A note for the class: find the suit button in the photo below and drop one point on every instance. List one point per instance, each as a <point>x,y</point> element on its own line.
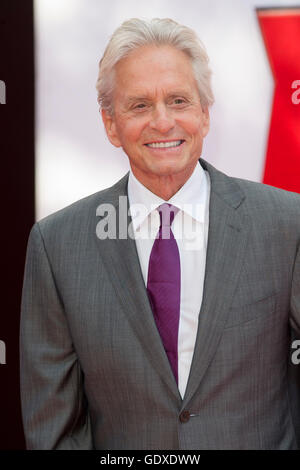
<point>184,416</point>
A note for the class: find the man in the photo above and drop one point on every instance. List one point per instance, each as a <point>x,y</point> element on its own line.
<point>130,341</point>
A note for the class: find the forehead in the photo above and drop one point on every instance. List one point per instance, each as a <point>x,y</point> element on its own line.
<point>150,68</point>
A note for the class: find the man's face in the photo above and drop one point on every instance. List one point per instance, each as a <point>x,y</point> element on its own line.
<point>158,119</point>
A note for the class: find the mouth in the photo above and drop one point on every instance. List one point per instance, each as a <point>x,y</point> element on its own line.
<point>165,144</point>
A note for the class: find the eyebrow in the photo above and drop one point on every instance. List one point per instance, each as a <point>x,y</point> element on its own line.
<point>132,99</point>
<point>173,94</point>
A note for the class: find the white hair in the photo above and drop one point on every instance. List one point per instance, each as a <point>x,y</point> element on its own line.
<point>135,33</point>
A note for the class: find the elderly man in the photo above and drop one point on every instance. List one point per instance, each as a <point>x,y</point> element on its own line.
<point>170,330</point>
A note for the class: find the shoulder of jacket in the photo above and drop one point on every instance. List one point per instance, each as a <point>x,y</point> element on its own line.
<point>79,212</point>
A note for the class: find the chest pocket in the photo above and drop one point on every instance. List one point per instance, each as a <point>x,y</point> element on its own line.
<point>260,309</point>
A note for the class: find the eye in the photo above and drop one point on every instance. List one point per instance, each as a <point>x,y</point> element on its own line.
<point>179,101</point>
<point>140,106</point>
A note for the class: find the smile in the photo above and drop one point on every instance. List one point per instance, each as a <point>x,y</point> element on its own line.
<point>173,143</point>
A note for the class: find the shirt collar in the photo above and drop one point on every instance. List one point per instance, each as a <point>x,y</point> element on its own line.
<point>191,197</point>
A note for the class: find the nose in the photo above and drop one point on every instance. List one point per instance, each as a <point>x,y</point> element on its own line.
<point>162,119</point>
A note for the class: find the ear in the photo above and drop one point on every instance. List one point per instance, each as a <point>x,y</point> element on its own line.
<point>110,127</point>
<point>206,120</point>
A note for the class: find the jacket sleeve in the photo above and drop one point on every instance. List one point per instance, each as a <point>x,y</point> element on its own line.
<point>295,295</point>
<point>54,408</point>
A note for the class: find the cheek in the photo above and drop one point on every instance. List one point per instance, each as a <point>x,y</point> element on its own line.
<point>130,132</point>
<point>193,126</point>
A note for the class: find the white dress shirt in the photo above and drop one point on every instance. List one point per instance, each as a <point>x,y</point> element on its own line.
<point>190,229</point>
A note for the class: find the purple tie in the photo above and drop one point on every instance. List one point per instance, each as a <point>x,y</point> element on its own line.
<point>163,284</point>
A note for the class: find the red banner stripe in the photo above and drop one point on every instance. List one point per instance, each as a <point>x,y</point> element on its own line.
<point>281,33</point>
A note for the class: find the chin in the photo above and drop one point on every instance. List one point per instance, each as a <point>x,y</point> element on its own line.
<point>166,170</point>
<point>172,167</point>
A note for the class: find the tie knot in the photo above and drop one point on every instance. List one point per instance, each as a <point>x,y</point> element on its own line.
<point>167,213</point>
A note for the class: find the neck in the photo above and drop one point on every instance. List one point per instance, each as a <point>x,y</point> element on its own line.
<point>164,186</point>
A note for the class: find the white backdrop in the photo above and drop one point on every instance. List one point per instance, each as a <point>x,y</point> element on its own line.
<point>73,155</point>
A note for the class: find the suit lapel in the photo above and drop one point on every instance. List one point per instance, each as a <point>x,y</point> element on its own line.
<point>121,260</point>
<point>227,240</point>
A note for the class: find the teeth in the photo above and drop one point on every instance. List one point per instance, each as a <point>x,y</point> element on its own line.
<point>175,143</point>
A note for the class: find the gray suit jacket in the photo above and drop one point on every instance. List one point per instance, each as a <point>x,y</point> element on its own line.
<point>94,373</point>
